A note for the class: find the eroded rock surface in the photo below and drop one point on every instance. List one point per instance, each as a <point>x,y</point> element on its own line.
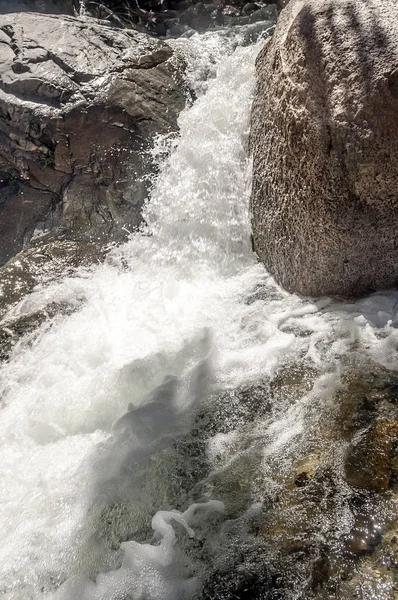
<point>80,103</point>
<point>325,145</point>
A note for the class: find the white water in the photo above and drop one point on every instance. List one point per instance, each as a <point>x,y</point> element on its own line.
<point>177,300</point>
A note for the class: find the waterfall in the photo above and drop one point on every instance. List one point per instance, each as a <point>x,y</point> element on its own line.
<point>99,499</point>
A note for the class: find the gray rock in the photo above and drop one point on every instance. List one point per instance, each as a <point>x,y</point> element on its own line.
<point>267,12</point>
<point>80,103</point>
<point>41,266</point>
<point>197,16</point>
<point>324,137</point>
<point>250,8</point>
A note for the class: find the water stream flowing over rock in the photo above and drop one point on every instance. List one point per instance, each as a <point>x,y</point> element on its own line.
<point>189,430</point>
<point>80,106</point>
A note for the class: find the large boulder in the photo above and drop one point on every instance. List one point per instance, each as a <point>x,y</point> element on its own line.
<point>324,137</point>
<point>80,104</point>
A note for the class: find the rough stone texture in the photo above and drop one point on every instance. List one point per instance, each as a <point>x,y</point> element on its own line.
<point>80,103</point>
<point>324,139</point>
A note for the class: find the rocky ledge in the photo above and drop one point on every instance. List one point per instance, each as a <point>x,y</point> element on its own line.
<point>80,102</point>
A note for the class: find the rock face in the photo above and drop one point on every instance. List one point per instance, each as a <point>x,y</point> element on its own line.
<point>80,102</point>
<point>324,139</point>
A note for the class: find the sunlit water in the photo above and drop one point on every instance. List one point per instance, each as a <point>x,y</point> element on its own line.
<point>98,499</point>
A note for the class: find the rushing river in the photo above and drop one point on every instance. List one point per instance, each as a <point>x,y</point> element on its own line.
<point>148,436</point>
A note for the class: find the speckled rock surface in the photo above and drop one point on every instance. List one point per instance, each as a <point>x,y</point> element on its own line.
<point>324,139</point>
<point>80,103</point>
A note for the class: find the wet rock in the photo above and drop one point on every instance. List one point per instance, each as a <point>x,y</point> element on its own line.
<point>367,395</point>
<point>364,536</point>
<point>377,573</point>
<point>306,468</point>
<point>24,326</point>
<point>318,528</point>
<point>372,580</point>
<point>367,422</point>
<point>369,463</point>
<point>237,582</point>
<point>75,127</point>
<point>31,268</point>
<point>324,138</point>
<point>276,539</point>
<point>230,11</point>
<point>200,16</point>
<point>264,13</point>
<point>41,265</point>
<point>249,8</point>
<point>296,527</point>
<point>197,16</point>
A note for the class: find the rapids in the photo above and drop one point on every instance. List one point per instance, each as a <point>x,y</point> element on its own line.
<point>144,433</point>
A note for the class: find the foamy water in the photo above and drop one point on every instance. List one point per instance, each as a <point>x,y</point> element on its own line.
<point>87,411</point>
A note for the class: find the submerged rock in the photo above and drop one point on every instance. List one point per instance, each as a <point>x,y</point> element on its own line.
<point>368,413</point>
<point>306,468</point>
<point>80,103</point>
<point>370,463</point>
<point>324,138</point>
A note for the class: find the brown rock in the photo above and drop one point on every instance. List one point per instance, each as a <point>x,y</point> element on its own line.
<point>370,461</point>
<point>324,139</point>
<point>306,468</point>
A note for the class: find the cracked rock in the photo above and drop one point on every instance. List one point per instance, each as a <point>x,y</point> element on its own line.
<point>66,170</point>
